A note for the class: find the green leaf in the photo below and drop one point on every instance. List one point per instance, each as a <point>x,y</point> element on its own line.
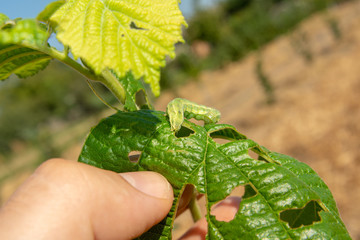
<point>18,39</point>
<point>3,19</point>
<point>24,32</point>
<point>276,184</point>
<point>133,88</point>
<point>121,36</point>
<point>49,10</point>
<point>22,61</point>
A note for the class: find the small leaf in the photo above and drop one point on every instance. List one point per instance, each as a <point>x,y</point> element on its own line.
<point>16,56</point>
<point>24,62</point>
<point>49,10</point>
<point>122,36</point>
<point>275,185</point>
<point>132,87</point>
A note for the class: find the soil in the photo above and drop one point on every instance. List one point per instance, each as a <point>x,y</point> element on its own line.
<point>316,114</point>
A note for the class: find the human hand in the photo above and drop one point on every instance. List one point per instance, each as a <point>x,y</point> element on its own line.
<point>71,200</point>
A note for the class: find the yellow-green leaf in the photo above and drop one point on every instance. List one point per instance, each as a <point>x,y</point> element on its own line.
<point>3,19</point>
<point>49,10</point>
<point>127,35</point>
<point>24,32</point>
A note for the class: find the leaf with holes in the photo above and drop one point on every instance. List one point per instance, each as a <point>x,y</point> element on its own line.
<point>18,39</point>
<point>135,93</point>
<point>121,36</point>
<point>284,199</point>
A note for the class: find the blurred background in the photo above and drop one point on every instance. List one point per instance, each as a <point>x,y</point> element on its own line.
<point>286,73</point>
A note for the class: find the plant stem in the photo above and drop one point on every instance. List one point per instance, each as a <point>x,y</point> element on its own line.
<point>99,97</point>
<point>265,81</point>
<point>194,207</point>
<point>114,85</point>
<point>107,78</point>
<point>63,57</point>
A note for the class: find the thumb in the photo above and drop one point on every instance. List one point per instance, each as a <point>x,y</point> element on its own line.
<point>142,201</point>
<point>71,200</point>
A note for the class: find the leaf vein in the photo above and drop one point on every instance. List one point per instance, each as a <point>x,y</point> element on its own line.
<point>24,54</point>
<point>248,179</point>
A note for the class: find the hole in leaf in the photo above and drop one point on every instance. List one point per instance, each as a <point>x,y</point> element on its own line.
<point>249,191</point>
<point>230,205</point>
<point>302,216</point>
<point>238,191</point>
<point>195,121</point>
<point>184,220</point>
<point>134,156</point>
<point>185,198</point>
<point>184,132</point>
<point>228,134</point>
<point>8,24</point>
<point>256,156</point>
<point>140,99</point>
<point>221,140</point>
<point>253,155</point>
<point>182,224</point>
<point>133,26</point>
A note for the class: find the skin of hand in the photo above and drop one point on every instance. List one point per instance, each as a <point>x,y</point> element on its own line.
<point>71,200</point>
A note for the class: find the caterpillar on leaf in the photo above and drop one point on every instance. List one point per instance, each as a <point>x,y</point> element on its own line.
<point>180,108</point>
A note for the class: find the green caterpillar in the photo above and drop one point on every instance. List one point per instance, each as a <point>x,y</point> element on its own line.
<point>179,108</point>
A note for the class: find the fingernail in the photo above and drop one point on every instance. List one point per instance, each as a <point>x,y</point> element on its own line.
<point>150,183</point>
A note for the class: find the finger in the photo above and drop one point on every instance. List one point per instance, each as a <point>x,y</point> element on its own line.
<point>224,211</point>
<point>70,200</point>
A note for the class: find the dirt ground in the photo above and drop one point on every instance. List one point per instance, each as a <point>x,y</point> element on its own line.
<point>316,115</point>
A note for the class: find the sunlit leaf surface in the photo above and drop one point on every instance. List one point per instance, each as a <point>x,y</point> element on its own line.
<point>284,199</point>
<point>124,35</point>
<point>49,10</point>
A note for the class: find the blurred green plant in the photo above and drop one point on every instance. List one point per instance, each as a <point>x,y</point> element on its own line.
<point>54,95</point>
<point>334,27</point>
<point>264,81</point>
<point>300,43</point>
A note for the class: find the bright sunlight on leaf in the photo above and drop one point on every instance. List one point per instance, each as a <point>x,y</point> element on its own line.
<point>122,36</point>
<point>276,184</point>
<point>50,9</point>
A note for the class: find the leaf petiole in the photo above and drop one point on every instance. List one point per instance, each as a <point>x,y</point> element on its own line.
<point>114,85</point>
<point>107,78</point>
<point>194,207</point>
